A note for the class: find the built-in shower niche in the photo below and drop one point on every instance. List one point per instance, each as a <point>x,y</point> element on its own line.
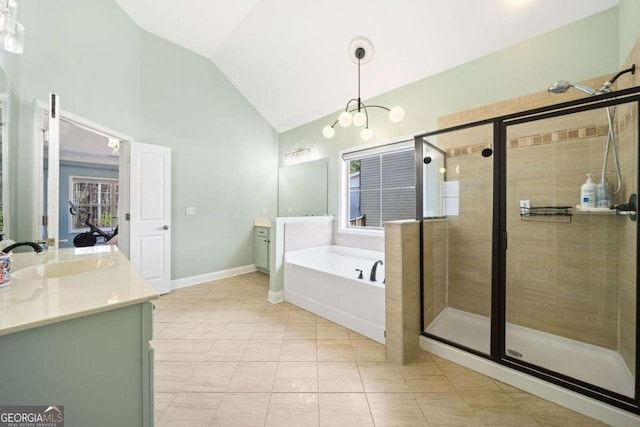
<point>568,284</point>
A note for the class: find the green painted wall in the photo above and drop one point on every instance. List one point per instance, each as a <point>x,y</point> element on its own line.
<point>575,52</point>
<point>629,16</point>
<point>224,156</point>
<point>107,70</point>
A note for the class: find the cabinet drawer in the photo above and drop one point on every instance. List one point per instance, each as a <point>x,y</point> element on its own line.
<point>262,232</point>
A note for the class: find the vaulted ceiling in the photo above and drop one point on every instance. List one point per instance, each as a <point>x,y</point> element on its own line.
<point>289,57</point>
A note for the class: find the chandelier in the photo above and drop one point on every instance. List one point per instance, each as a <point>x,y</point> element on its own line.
<point>11,31</point>
<point>360,51</point>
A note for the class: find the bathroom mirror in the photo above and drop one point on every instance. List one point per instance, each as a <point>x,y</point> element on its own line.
<point>302,189</point>
<point>433,173</point>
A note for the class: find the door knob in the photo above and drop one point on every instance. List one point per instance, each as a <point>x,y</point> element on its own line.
<point>165,227</point>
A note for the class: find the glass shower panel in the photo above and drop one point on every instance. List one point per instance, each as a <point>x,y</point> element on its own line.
<point>570,269</point>
<point>457,246</point>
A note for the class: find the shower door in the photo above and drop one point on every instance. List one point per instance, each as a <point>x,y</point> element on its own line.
<point>457,201</point>
<point>570,270</point>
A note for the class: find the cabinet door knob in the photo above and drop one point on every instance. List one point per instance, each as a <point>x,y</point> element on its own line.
<point>165,227</point>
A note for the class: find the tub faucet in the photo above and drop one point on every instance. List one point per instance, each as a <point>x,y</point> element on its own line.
<point>36,247</point>
<point>372,277</point>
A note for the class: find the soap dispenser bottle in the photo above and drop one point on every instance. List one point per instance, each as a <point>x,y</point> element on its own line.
<point>588,193</point>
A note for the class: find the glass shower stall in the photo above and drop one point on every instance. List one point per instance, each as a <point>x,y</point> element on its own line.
<point>517,266</point>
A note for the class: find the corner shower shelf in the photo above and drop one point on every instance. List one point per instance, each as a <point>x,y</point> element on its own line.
<point>598,211</point>
<point>547,214</point>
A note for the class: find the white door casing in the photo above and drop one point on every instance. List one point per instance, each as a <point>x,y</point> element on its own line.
<point>53,171</point>
<point>150,213</point>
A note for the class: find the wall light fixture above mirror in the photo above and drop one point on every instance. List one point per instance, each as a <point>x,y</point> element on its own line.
<point>11,31</point>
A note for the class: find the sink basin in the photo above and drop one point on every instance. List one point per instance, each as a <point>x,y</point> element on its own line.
<point>61,269</point>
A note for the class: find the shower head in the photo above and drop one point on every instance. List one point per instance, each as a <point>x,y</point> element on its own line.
<point>562,86</point>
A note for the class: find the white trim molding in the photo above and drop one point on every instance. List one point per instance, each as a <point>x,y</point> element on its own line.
<point>208,277</point>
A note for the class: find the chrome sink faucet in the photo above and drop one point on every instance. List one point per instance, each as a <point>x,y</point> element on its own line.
<point>372,276</point>
<point>36,247</point>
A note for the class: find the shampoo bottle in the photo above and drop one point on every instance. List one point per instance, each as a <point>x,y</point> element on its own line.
<point>588,193</point>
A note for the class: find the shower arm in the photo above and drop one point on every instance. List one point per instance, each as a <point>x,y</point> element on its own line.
<point>611,81</point>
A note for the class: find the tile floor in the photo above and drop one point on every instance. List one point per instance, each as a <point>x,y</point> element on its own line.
<point>227,357</point>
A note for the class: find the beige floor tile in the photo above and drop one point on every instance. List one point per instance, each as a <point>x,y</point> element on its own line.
<point>253,377</point>
<point>339,377</point>
<point>193,376</point>
<point>226,357</point>
<point>293,409</point>
<point>344,409</point>
<point>207,331</point>
<point>298,315</point>
<point>269,331</point>
<point>395,409</point>
<point>191,316</point>
<point>446,409</point>
<point>548,413</point>
<point>429,384</point>
<point>419,369</point>
<point>161,402</point>
<point>238,331</point>
<point>181,350</point>
<point>262,351</point>
<point>220,315</point>
<point>366,350</point>
<point>300,331</point>
<point>335,350</point>
<point>192,408</point>
<point>242,410</point>
<point>385,385</point>
<point>176,331</point>
<point>298,351</point>
<point>464,379</point>
<point>227,350</point>
<point>301,377</point>
<point>331,331</point>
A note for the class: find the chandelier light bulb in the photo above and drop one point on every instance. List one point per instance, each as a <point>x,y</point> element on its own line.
<point>345,119</point>
<point>359,119</point>
<point>396,114</point>
<point>328,131</point>
<point>366,134</point>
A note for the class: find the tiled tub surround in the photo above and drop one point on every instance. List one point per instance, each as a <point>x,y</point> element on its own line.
<point>227,357</point>
<point>324,280</point>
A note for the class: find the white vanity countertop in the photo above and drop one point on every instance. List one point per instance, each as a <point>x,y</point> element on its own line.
<point>26,304</point>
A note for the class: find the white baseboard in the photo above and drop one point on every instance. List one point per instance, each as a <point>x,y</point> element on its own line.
<point>208,277</point>
<point>275,297</point>
<point>567,398</point>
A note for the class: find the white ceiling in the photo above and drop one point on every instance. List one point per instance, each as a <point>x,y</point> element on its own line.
<point>289,57</point>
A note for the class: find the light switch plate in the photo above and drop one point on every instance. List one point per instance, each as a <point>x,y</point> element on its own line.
<point>191,211</point>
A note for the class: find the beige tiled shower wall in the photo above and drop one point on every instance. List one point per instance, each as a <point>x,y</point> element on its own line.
<point>571,279</point>
<point>435,268</point>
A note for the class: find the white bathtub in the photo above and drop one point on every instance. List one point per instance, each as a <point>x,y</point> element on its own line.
<point>324,281</point>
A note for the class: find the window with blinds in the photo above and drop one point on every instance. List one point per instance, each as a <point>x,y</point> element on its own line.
<point>381,185</point>
<point>97,196</point>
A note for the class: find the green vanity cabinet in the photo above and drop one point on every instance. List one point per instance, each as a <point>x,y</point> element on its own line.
<point>98,366</point>
<point>262,249</point>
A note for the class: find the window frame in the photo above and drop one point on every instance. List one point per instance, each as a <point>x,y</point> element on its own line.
<point>344,158</point>
<point>94,179</point>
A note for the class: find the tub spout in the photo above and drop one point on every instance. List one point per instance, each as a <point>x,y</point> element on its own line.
<point>372,276</point>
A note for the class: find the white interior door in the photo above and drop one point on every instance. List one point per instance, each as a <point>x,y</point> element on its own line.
<point>53,177</point>
<point>150,213</point>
